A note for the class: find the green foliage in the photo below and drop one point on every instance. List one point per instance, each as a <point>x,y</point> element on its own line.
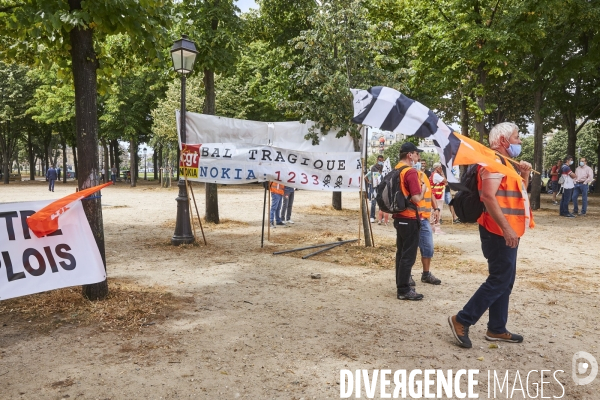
<point>526,149</point>
<point>586,146</point>
<point>341,51</point>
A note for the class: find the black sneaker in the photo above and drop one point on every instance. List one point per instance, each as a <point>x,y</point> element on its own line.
<point>280,223</point>
<point>457,221</point>
<point>429,278</point>
<point>410,295</point>
<point>503,337</point>
<point>411,282</point>
<point>460,332</point>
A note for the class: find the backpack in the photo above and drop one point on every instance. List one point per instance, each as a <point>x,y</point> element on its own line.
<point>390,198</point>
<point>467,204</point>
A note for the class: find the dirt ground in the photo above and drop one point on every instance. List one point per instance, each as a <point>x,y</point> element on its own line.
<point>231,320</point>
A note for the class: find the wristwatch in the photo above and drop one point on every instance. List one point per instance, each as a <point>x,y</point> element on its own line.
<point>436,209</point>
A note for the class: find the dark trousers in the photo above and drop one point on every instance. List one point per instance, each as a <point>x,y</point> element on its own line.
<point>564,201</point>
<point>494,293</point>
<point>288,203</point>
<point>407,244</point>
<point>51,185</point>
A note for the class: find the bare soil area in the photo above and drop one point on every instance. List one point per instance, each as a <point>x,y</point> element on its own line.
<point>232,320</point>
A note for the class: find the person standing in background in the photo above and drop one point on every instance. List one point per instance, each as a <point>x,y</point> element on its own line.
<point>113,174</point>
<point>583,177</point>
<point>554,175</point>
<point>568,177</point>
<point>51,176</point>
<point>286,207</point>
<point>277,190</point>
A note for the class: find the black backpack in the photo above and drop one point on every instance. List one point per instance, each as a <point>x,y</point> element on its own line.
<point>467,204</point>
<point>390,198</point>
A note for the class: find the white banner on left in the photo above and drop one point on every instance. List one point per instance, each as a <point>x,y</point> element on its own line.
<point>68,257</point>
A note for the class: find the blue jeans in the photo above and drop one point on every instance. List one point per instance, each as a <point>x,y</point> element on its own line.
<point>583,189</point>
<point>426,239</point>
<point>276,200</point>
<point>372,195</point>
<point>288,202</point>
<point>407,243</point>
<point>494,293</point>
<point>51,184</point>
<point>113,177</point>
<point>564,201</point>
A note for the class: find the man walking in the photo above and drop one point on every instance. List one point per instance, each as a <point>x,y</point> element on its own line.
<point>568,184</point>
<point>583,177</point>
<point>407,222</point>
<point>113,174</point>
<point>51,176</point>
<point>507,214</point>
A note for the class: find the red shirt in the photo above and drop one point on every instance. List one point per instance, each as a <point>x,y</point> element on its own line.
<point>552,171</point>
<point>411,182</point>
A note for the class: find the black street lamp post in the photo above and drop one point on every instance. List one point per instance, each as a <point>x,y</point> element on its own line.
<point>183,54</point>
<point>145,164</point>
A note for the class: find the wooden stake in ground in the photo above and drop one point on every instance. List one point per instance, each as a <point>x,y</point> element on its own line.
<point>370,227</point>
<point>187,192</point>
<point>198,214</point>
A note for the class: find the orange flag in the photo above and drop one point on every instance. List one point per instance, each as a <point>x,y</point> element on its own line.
<point>45,221</point>
<point>472,152</point>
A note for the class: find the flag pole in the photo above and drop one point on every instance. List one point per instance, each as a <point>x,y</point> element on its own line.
<point>197,213</point>
<point>514,162</point>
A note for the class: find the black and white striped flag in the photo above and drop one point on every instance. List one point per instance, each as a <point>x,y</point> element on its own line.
<point>388,109</point>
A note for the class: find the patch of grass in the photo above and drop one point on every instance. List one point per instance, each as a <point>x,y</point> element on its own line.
<point>128,307</point>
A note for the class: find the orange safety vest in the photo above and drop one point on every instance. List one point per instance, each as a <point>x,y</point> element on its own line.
<point>276,188</point>
<point>423,206</point>
<point>436,188</point>
<point>510,198</point>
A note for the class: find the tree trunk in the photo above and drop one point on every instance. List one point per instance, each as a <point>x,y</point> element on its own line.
<point>160,165</point>
<point>106,164</point>
<point>86,122</point>
<point>31,157</point>
<point>75,166</point>
<point>336,200</point>
<point>212,196</point>
<point>538,148</point>
<point>64,168</point>
<point>464,118</point>
<point>111,153</point>
<point>571,123</point>
<point>155,163</point>
<point>132,153</point>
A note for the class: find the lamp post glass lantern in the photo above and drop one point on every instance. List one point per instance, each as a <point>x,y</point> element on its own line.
<point>183,55</point>
<point>145,164</point>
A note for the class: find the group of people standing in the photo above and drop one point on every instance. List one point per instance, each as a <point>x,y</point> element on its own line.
<point>573,185</point>
<point>282,200</point>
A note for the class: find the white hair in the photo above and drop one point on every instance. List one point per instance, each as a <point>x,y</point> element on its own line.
<point>503,129</point>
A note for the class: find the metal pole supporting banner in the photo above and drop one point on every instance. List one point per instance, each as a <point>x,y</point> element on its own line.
<point>262,235</point>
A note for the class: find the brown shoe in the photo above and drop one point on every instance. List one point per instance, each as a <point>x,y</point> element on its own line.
<point>461,332</point>
<point>503,337</point>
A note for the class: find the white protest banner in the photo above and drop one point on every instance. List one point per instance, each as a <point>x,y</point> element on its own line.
<point>28,264</point>
<point>236,163</point>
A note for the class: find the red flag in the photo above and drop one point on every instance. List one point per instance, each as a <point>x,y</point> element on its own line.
<point>45,221</point>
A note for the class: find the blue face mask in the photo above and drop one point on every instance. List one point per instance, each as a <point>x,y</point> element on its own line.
<point>380,163</point>
<point>514,150</point>
<point>581,163</point>
<point>417,166</point>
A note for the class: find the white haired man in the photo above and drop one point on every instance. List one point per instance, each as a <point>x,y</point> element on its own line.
<point>507,214</point>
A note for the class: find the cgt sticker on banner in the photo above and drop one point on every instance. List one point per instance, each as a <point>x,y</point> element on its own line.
<point>188,162</point>
<point>28,264</point>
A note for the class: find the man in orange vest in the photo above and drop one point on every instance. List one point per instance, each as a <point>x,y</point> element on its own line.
<point>506,216</point>
<point>407,222</point>
<point>276,200</point>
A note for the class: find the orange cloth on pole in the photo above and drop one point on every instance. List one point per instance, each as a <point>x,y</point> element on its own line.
<point>45,221</point>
